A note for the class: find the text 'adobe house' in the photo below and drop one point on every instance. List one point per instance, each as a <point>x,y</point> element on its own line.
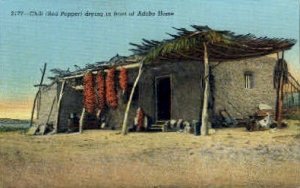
<point>191,76</point>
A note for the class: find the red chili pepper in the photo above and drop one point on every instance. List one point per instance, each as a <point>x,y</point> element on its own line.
<point>89,93</point>
<point>123,79</point>
<point>101,90</point>
<point>111,94</point>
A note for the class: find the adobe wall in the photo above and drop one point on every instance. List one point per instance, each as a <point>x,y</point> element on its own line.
<point>230,92</point>
<point>186,89</point>
<point>114,117</point>
<point>186,97</point>
<point>71,102</point>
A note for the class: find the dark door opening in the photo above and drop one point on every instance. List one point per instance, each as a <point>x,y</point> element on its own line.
<point>163,98</point>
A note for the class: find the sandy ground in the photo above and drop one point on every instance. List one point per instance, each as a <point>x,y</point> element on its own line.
<point>229,158</point>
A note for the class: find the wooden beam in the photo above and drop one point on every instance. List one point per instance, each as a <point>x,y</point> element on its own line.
<point>40,85</point>
<point>125,120</point>
<point>205,118</point>
<point>37,94</point>
<point>189,57</point>
<point>51,109</point>
<point>279,99</point>
<point>129,66</point>
<point>81,121</point>
<point>58,106</point>
<point>38,105</point>
<point>33,107</point>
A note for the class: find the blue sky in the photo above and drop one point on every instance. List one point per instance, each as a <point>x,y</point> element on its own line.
<point>26,42</point>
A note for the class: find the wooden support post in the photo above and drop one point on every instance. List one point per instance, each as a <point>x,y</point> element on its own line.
<point>58,105</point>
<point>33,107</point>
<point>37,94</point>
<point>279,101</point>
<point>38,105</point>
<point>125,120</point>
<point>204,118</point>
<point>98,114</point>
<point>279,98</point>
<point>51,109</point>
<point>81,121</point>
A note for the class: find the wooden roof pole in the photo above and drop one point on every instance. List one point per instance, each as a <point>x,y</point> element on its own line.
<point>125,120</point>
<point>128,66</point>
<point>205,118</point>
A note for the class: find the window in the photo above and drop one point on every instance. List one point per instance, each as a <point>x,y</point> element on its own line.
<point>248,77</point>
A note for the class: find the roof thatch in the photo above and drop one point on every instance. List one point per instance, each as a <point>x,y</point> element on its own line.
<point>222,45</point>
<point>188,45</point>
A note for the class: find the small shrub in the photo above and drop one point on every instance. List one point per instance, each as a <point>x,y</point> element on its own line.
<point>13,128</point>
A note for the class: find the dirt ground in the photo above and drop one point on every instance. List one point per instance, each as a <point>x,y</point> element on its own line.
<point>229,158</point>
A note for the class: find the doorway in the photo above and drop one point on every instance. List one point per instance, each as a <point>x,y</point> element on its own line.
<point>163,98</point>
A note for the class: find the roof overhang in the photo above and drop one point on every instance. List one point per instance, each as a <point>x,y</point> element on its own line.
<point>221,45</point>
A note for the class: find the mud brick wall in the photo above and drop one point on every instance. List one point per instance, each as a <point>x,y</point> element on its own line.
<point>230,92</point>
<point>186,89</point>
<point>72,102</point>
<point>115,117</point>
<point>186,92</point>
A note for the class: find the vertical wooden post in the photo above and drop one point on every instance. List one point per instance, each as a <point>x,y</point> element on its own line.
<point>38,105</point>
<point>58,105</point>
<point>204,118</point>
<point>33,107</point>
<point>98,117</point>
<point>81,121</point>
<point>279,104</point>
<point>51,109</point>
<point>37,94</point>
<point>125,120</point>
<point>279,97</point>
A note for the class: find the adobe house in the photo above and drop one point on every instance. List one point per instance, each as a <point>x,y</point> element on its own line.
<point>191,76</point>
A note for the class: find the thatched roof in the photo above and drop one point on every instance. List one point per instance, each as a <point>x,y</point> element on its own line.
<point>222,45</point>
<point>188,45</point>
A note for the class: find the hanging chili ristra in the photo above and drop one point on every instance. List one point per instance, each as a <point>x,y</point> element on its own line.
<point>111,94</point>
<point>89,92</point>
<point>123,79</point>
<point>100,90</point>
